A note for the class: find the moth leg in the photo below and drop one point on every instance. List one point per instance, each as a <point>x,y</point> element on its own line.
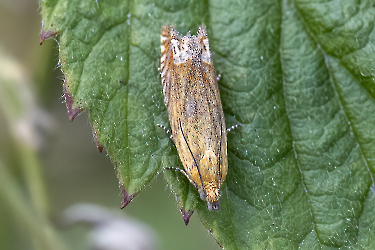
<point>233,127</point>
<point>168,131</point>
<point>182,171</point>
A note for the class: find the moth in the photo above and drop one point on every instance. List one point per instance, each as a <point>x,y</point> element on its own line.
<point>192,99</point>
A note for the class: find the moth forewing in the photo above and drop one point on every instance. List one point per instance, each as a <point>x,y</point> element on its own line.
<point>192,98</point>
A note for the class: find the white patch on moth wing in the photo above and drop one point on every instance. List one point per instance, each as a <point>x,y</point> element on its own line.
<point>206,54</point>
<point>195,48</point>
<point>185,52</point>
<point>176,51</point>
<point>166,86</point>
<point>190,48</point>
<point>162,49</point>
<point>202,37</point>
<point>191,109</point>
<point>163,39</point>
<point>163,58</point>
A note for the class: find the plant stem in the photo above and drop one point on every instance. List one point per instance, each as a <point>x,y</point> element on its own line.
<point>40,230</point>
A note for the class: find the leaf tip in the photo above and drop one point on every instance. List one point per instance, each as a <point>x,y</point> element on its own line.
<point>99,146</point>
<point>44,35</point>
<point>72,112</point>
<point>126,197</point>
<point>186,215</point>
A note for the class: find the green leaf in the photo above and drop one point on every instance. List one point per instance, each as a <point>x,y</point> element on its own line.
<point>297,75</point>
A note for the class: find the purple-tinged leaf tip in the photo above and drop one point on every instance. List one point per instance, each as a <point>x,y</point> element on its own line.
<point>99,146</point>
<point>186,215</point>
<point>44,35</point>
<point>69,105</point>
<point>126,197</point>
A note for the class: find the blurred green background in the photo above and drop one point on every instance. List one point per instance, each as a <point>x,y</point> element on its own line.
<point>48,163</point>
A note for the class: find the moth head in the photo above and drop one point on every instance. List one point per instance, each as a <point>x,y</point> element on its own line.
<point>211,194</point>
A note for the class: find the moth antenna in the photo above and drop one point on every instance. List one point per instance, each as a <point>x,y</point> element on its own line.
<point>168,131</point>
<point>218,77</point>
<point>233,127</point>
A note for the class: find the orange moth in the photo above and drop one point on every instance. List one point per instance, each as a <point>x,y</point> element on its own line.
<point>192,99</point>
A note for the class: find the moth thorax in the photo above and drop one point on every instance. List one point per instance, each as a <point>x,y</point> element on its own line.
<point>191,48</point>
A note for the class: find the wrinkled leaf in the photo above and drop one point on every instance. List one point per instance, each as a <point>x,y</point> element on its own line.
<point>298,76</point>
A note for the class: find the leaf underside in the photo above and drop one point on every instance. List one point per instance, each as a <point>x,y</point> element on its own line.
<point>297,75</point>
